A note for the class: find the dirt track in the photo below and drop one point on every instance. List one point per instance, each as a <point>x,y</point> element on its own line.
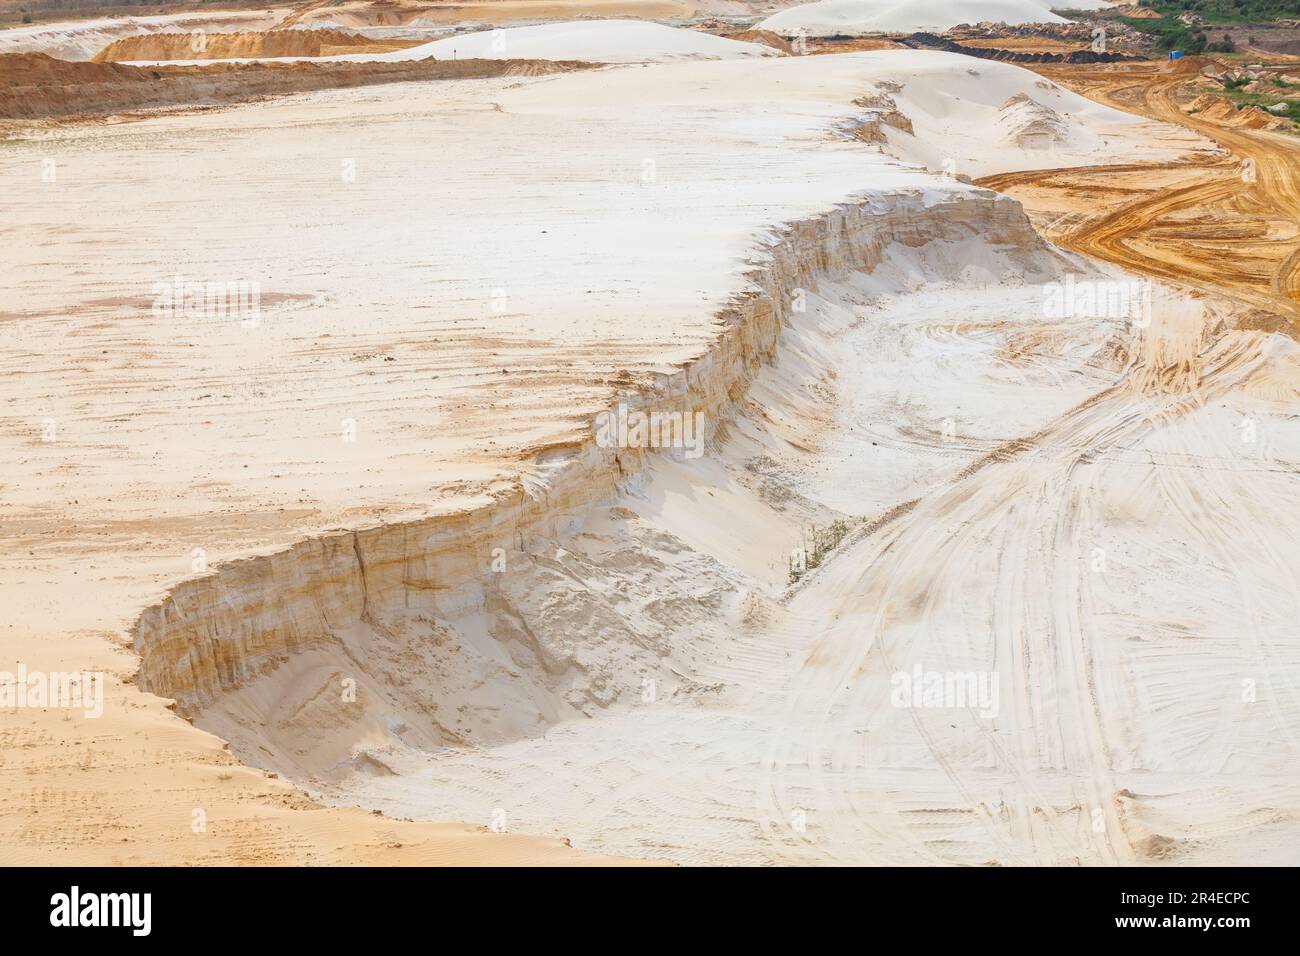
<point>1226,225</point>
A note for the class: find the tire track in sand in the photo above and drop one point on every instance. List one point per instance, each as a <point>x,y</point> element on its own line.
<point>1232,231</point>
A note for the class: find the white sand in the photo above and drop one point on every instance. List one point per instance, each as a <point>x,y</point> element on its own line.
<point>601,41</point>
<point>595,41</point>
<point>1125,620</point>
<point>466,272</point>
<point>829,17</point>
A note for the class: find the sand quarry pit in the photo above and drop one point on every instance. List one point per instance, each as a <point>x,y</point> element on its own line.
<point>678,461</point>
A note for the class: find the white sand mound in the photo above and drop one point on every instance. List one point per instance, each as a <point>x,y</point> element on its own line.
<point>1028,124</point>
<point>604,41</point>
<point>830,17</point>
<point>974,117</point>
<point>596,41</point>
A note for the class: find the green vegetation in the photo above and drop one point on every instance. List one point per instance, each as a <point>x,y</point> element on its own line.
<point>1235,89</point>
<point>1176,35</point>
<point>1228,11</point>
<point>823,540</point>
<point>1170,33</point>
<point>1244,99</point>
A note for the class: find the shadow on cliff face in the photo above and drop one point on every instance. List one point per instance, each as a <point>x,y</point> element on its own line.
<point>615,612</point>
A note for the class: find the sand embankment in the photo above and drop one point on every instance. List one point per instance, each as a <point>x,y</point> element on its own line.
<point>607,41</point>
<point>192,46</point>
<point>38,87</point>
<point>222,631</point>
<point>81,39</point>
<point>604,41</point>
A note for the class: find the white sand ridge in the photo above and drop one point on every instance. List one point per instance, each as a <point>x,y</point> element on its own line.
<point>595,41</point>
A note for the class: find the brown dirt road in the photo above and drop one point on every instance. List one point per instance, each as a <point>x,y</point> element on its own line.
<point>1228,225</point>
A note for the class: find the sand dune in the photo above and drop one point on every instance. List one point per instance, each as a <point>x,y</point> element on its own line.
<point>595,41</point>
<point>599,41</point>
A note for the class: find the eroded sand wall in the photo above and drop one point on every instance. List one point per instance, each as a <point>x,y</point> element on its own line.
<point>215,632</point>
<point>37,86</point>
<point>192,46</point>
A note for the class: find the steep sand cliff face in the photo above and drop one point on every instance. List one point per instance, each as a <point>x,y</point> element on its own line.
<point>634,672</point>
<point>1024,498</point>
<point>35,86</point>
<point>215,633</point>
<point>81,39</point>
<point>205,46</point>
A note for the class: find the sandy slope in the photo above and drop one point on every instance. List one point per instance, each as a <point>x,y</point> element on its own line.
<point>600,41</point>
<point>82,39</point>
<point>595,41</point>
<point>369,15</point>
<point>176,46</point>
<point>1124,733</point>
<point>459,319</point>
<point>35,88</point>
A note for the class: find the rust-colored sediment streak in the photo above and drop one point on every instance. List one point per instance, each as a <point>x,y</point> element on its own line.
<point>1228,225</point>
